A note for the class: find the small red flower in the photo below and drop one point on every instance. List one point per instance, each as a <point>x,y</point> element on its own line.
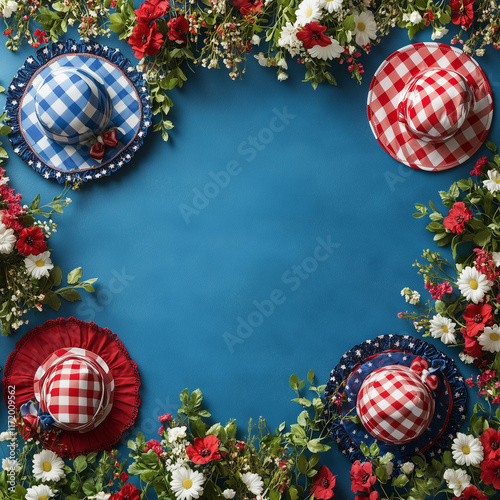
<point>373,496</point>
<point>178,27</point>
<point>149,11</point>
<point>31,241</point>
<point>462,12</point>
<point>323,484</point>
<point>313,34</point>
<point>165,418</point>
<point>124,477</point>
<point>204,450</point>
<point>429,17</point>
<point>8,31</point>
<point>361,477</point>
<point>479,166</point>
<point>477,316</point>
<point>491,472</point>
<point>490,439</point>
<point>247,7</point>
<point>153,444</point>
<point>41,35</point>
<point>457,217</point>
<point>145,39</point>
<point>128,492</point>
<point>471,493</point>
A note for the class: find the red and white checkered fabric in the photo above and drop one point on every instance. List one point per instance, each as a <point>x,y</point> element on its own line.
<point>430,106</point>
<point>76,387</point>
<point>394,405</point>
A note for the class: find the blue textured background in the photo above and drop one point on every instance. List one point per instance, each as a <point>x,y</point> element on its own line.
<point>172,288</point>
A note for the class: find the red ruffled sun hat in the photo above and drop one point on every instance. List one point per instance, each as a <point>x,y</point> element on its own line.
<point>430,106</point>
<point>77,379</point>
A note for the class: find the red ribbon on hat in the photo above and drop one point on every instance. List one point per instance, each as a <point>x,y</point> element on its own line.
<point>108,138</point>
<point>420,367</point>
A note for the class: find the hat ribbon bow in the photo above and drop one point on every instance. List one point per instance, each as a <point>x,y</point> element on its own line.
<point>421,367</point>
<point>108,138</point>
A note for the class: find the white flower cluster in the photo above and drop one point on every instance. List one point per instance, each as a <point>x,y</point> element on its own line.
<point>177,444</point>
<point>8,7</point>
<point>410,296</point>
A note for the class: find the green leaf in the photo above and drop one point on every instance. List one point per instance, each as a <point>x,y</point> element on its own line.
<point>70,295</point>
<point>80,463</point>
<point>294,382</point>
<point>365,450</point>
<point>314,446</point>
<point>374,450</point>
<point>302,401</point>
<point>444,18</point>
<point>74,276</point>
<point>349,23</point>
<point>310,376</point>
<point>491,146</point>
<point>52,300</point>
<point>400,481</point>
<point>302,463</point>
<point>35,203</point>
<point>483,238</point>
<point>56,275</point>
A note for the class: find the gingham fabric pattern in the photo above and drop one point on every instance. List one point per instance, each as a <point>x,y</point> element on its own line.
<point>394,405</point>
<point>72,106</point>
<point>389,89</point>
<point>76,387</point>
<point>125,116</point>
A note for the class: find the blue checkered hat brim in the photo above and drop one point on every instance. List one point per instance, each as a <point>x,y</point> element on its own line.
<point>63,159</point>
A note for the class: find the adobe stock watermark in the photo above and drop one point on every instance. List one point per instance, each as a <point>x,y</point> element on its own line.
<point>249,149</point>
<point>401,176</point>
<point>292,279</point>
<point>104,295</point>
<point>9,464</point>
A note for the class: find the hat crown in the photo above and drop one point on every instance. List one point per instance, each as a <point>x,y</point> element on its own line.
<point>394,404</point>
<point>72,106</point>
<point>436,104</point>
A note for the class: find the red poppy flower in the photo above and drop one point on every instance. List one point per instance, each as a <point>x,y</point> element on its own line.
<point>457,217</point>
<point>490,439</point>
<point>479,166</point>
<point>178,26</point>
<point>361,477</point>
<point>145,39</point>
<point>473,347</point>
<point>462,12</point>
<point>247,7</point>
<point>128,492</point>
<point>373,496</point>
<point>31,241</point>
<point>149,11</point>
<point>471,493</point>
<point>313,34</point>
<point>477,316</point>
<point>491,473</point>
<point>323,484</point>
<point>204,450</point>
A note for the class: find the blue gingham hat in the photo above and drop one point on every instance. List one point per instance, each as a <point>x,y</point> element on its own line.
<point>79,111</point>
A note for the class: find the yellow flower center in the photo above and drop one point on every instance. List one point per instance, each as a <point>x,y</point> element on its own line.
<point>465,450</point>
<point>494,336</point>
<point>43,498</point>
<point>361,26</point>
<point>187,483</point>
<point>46,466</point>
<point>309,12</point>
<point>473,284</point>
<point>497,180</point>
<point>40,263</point>
<point>445,328</point>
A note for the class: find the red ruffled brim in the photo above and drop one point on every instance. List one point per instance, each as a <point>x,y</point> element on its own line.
<point>41,342</point>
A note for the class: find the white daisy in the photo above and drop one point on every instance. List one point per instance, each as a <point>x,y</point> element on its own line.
<point>330,5</point>
<point>47,466</point>
<point>228,493</point>
<point>490,338</point>
<point>473,285</point>
<point>11,464</point>
<point>175,433</point>
<point>100,496</point>
<point>187,483</point>
<point>39,265</point>
<point>7,239</point>
<point>308,12</point>
<point>253,482</point>
<point>467,450</point>
<point>40,492</point>
<point>443,328</point>
<point>366,27</point>
<point>457,480</point>
<point>493,181</point>
<point>331,51</point>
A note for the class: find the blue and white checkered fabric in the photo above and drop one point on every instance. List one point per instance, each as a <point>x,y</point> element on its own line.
<point>66,109</point>
<point>72,106</point>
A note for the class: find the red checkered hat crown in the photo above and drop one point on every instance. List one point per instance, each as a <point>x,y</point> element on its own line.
<point>436,104</point>
<point>76,387</point>
<point>394,404</point>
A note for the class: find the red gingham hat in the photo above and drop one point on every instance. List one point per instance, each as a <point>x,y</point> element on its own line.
<point>84,381</point>
<point>430,106</point>
<point>395,405</point>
